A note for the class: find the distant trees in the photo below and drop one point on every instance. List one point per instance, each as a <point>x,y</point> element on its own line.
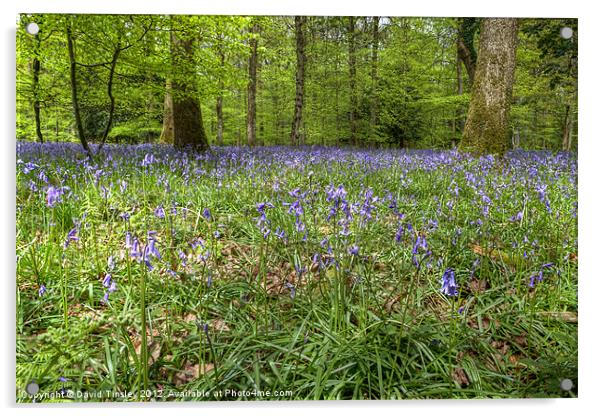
<point>486,129</point>
<point>392,81</point>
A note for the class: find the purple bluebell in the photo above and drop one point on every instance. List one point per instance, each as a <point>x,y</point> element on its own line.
<point>448,283</point>
<point>160,212</point>
<point>71,236</point>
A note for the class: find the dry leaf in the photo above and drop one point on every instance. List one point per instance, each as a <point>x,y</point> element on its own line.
<point>521,341</point>
<point>191,372</point>
<point>392,302</point>
<point>478,285</point>
<point>219,325</point>
<point>460,377</point>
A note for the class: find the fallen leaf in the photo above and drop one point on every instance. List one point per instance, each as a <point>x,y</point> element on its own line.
<point>392,302</point>
<point>478,285</point>
<point>460,377</point>
<point>219,325</point>
<point>191,372</point>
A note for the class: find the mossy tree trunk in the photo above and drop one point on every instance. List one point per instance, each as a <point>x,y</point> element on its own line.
<point>188,131</point>
<point>167,131</point>
<point>486,129</point>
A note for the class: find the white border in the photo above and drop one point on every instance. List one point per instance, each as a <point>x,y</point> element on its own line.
<point>590,133</point>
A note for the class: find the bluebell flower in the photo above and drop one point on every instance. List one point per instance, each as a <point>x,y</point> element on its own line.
<point>71,236</point>
<point>207,214</point>
<point>42,290</point>
<point>106,282</point>
<point>448,283</point>
<point>291,288</point>
<point>354,250</point>
<point>159,212</point>
<point>53,196</point>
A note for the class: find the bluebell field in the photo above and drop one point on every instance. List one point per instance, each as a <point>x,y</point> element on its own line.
<point>332,273</point>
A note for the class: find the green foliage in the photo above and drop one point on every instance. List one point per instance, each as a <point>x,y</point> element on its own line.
<point>415,93</point>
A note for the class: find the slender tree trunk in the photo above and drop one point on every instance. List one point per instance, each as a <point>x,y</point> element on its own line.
<point>218,101</point>
<point>352,70</point>
<point>252,88</point>
<point>167,130</point>
<point>374,74</point>
<point>187,118</point>
<point>567,127</point>
<point>107,129</point>
<point>486,129</point>
<point>74,100</point>
<point>36,90</point>
<point>299,80</point>
<point>465,45</point>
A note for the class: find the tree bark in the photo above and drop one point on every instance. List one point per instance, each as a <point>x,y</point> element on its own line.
<point>374,74</point>
<point>465,45</point>
<point>107,129</point>
<point>486,129</point>
<point>36,90</point>
<point>352,71</point>
<point>567,127</point>
<point>187,119</point>
<point>167,130</point>
<point>74,100</point>
<point>299,80</point>
<point>219,100</point>
<point>252,87</point>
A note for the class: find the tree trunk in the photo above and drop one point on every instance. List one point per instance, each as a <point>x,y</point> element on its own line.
<point>352,89</point>
<point>188,131</point>
<point>299,80</point>
<point>107,129</point>
<point>218,101</point>
<point>74,100</point>
<point>486,129</point>
<point>374,74</point>
<point>465,45</point>
<point>36,91</point>
<point>252,87</point>
<point>167,131</point>
<point>567,127</point>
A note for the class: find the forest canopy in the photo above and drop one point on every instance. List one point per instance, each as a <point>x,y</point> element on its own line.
<point>367,81</point>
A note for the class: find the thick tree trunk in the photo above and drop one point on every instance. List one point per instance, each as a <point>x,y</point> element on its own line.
<point>167,131</point>
<point>352,89</point>
<point>73,79</point>
<point>374,74</point>
<point>252,88</point>
<point>187,119</point>
<point>486,129</point>
<point>299,80</point>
